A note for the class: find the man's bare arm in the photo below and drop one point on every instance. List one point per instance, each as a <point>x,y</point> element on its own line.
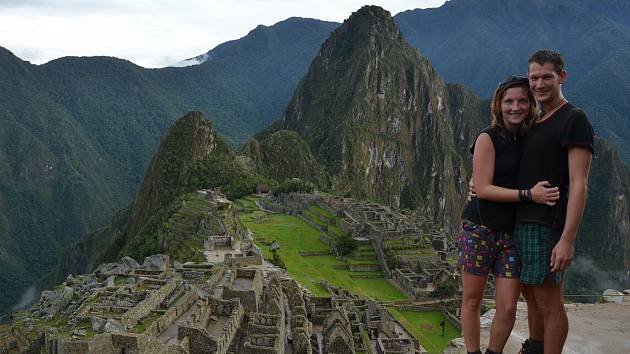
<point>579,166</point>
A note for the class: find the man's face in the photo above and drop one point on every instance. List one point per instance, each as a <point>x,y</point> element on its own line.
<point>545,81</point>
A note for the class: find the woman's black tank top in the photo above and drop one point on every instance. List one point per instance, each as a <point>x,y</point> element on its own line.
<point>500,216</point>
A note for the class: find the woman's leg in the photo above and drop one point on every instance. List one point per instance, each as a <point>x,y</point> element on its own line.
<point>474,286</point>
<point>506,295</point>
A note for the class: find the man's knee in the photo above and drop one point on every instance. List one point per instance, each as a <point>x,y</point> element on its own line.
<point>552,310</point>
<point>549,300</point>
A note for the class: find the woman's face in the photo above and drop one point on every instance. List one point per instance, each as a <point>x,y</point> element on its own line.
<point>514,107</point>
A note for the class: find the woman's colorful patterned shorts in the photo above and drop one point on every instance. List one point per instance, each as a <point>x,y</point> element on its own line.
<point>483,250</point>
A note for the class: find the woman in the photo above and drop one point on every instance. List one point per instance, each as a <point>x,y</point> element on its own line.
<point>485,241</point>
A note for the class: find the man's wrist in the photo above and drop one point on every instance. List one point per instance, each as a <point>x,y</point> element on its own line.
<point>568,238</point>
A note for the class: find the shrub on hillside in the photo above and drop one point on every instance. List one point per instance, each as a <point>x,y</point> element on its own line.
<point>345,244</point>
<point>444,290</point>
<point>277,260</point>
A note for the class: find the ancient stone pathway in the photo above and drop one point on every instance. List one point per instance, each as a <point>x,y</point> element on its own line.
<point>169,336</point>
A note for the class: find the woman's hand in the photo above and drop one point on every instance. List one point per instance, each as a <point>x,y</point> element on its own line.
<point>544,193</point>
<point>472,193</point>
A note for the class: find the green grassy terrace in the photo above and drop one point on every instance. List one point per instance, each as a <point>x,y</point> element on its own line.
<point>294,236</point>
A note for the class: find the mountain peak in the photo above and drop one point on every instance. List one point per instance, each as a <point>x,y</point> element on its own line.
<point>371,11</point>
<point>371,19</point>
<point>376,114</point>
<point>353,62</point>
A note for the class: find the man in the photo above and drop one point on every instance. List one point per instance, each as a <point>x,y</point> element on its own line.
<point>558,148</point>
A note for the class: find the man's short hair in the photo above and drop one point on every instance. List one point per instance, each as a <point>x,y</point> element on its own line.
<point>547,56</point>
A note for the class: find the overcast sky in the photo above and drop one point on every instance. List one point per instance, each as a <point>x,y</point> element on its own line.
<point>154,33</point>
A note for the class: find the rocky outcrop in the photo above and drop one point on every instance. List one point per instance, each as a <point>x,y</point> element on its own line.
<point>51,302</point>
<point>124,267</point>
<point>156,262</point>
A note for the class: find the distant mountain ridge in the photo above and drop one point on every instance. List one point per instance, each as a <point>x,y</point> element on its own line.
<point>493,38</point>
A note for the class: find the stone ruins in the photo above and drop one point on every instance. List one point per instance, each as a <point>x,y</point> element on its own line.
<point>235,302</point>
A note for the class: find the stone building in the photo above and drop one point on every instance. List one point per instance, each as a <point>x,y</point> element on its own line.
<point>301,327</point>
<point>246,285</point>
<point>337,331</point>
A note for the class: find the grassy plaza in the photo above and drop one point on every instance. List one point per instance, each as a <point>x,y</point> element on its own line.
<point>294,235</point>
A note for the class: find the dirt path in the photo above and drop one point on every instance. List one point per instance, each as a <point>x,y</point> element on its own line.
<point>593,329</point>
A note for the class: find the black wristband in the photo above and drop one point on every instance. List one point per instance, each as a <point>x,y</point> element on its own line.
<point>525,195</point>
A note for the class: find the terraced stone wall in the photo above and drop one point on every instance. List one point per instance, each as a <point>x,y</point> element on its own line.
<point>262,344</point>
<point>164,321</point>
<point>244,260</point>
<point>144,308</point>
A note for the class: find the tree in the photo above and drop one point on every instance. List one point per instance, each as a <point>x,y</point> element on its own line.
<point>345,244</point>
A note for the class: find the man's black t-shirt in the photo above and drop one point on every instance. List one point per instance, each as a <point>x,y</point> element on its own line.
<point>545,158</point>
<point>507,150</point>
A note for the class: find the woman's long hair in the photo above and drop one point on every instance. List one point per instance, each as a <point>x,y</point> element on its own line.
<point>497,115</point>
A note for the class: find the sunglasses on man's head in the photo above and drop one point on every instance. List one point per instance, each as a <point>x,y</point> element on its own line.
<point>513,79</point>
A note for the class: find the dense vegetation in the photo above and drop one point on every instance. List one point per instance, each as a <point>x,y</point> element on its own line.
<point>283,155</point>
<point>294,185</point>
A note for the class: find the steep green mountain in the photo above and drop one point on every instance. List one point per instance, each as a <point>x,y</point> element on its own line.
<point>283,155</point>
<point>245,84</point>
<point>77,134</point>
<point>385,126</point>
<point>82,255</point>
<point>191,157</point>
<point>165,213</point>
<point>493,38</point>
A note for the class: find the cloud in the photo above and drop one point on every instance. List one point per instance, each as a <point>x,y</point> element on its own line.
<point>603,279</point>
<point>26,299</point>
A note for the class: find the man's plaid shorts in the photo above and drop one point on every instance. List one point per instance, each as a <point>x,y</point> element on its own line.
<point>534,243</point>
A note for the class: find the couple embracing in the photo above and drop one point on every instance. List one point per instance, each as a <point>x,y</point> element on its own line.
<point>530,172</point>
